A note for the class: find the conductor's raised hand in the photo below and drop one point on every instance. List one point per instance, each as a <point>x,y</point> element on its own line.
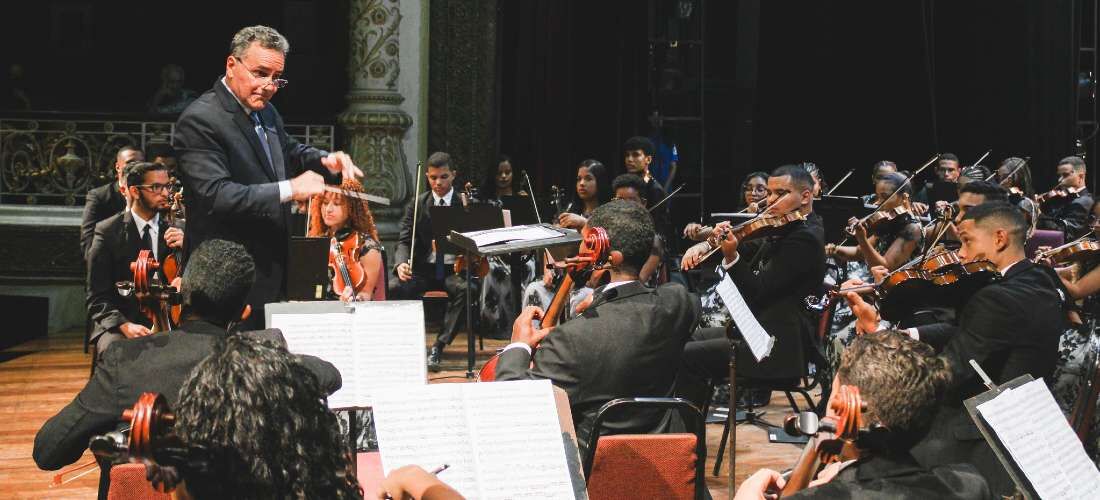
<point>306,185</point>
<point>524,331</point>
<point>340,163</point>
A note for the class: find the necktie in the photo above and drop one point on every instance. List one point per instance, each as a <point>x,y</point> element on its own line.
<point>261,133</point>
<point>440,267</point>
<point>147,239</point>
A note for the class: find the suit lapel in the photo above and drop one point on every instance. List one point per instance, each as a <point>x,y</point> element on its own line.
<point>276,151</point>
<point>131,240</point>
<point>231,106</point>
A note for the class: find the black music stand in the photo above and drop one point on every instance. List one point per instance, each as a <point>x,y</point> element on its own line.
<point>308,277</point>
<point>522,210</point>
<point>471,248</point>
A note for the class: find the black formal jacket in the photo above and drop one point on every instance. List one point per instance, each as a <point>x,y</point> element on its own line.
<point>626,344</point>
<point>231,191</point>
<point>114,246</point>
<point>775,275</point>
<point>900,478</point>
<point>1010,328</point>
<point>1071,217</point>
<point>157,363</point>
<point>423,235</point>
<point>99,204</point>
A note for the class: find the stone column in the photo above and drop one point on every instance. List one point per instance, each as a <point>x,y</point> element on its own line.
<point>374,123</point>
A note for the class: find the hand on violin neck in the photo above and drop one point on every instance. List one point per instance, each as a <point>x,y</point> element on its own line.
<point>867,317</point>
<point>173,237</point>
<point>727,241</point>
<point>523,329</point>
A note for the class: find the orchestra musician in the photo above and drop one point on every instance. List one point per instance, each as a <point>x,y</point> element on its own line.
<point>427,269</point>
<point>117,242</point>
<point>1010,328</point>
<point>754,191</point>
<point>1015,176</point>
<point>215,283</point>
<point>500,181</point>
<point>625,344</point>
<point>971,194</point>
<point>106,200</point>
<point>819,181</point>
<point>335,215</point>
<point>630,187</point>
<point>1067,206</point>
<point>893,242</point>
<point>774,274</point>
<point>240,169</point>
<point>878,170</point>
<point>637,156</point>
<point>942,187</point>
<point>901,381</point>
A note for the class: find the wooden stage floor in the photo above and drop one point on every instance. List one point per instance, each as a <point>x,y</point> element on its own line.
<point>39,377</point>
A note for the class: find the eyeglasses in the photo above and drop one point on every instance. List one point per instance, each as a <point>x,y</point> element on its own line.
<point>155,187</point>
<point>267,79</point>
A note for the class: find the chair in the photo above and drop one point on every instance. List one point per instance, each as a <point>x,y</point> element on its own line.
<point>1044,238</point>
<point>647,465</point>
<point>128,483</point>
<point>368,469</point>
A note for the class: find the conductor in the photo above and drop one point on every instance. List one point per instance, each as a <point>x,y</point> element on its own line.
<point>239,167</point>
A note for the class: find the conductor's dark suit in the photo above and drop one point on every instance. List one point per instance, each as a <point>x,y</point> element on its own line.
<point>156,363</point>
<point>99,204</point>
<point>231,190</point>
<point>115,245</point>
<point>626,344</point>
<point>424,272</point>
<point>1010,328</point>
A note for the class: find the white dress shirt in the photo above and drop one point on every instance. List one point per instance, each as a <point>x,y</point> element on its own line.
<point>154,230</point>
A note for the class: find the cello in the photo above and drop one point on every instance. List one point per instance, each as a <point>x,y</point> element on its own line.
<point>158,301</point>
<point>594,254</point>
<point>834,438</point>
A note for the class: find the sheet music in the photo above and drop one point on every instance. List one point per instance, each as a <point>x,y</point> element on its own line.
<point>514,233</point>
<point>379,345</point>
<point>760,343</point>
<point>502,440</point>
<point>1037,436</point>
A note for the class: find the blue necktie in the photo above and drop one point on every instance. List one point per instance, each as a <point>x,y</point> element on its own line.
<point>262,134</point>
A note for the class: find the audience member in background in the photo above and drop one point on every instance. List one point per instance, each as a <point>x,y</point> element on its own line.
<point>108,199</point>
<point>116,244</point>
<point>171,97</point>
<point>215,283</point>
<point>900,380</point>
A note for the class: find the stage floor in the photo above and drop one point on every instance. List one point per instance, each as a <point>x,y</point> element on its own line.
<point>39,377</point>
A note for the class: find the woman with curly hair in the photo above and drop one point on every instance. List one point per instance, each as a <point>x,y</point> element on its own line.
<point>257,415</point>
<point>341,217</point>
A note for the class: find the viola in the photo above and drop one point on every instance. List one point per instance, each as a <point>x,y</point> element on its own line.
<point>347,272</point>
<point>834,438</point>
<point>155,298</point>
<point>594,254</point>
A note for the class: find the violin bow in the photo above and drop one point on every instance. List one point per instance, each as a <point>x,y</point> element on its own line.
<point>979,162</point>
<point>531,192</point>
<point>670,195</point>
<point>416,209</point>
<point>362,196</point>
<point>761,214</point>
<point>892,195</point>
<point>1010,174</point>
<point>841,181</point>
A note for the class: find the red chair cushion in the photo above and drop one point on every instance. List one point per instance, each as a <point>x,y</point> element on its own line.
<point>128,483</point>
<point>368,469</point>
<point>643,466</point>
<point>435,294</point>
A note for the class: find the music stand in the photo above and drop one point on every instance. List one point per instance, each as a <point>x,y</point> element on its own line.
<point>523,212</point>
<point>308,277</point>
<point>564,237</point>
<point>835,211</point>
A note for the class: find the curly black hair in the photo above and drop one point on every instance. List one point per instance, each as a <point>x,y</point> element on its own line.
<point>216,281</point>
<point>630,229</point>
<point>257,411</point>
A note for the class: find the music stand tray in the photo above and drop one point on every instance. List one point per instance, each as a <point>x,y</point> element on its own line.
<point>1022,484</point>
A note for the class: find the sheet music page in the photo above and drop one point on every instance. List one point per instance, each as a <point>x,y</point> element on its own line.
<point>502,440</point>
<point>760,343</point>
<point>327,336</point>
<point>1037,436</point>
<point>389,344</point>
<point>514,233</point>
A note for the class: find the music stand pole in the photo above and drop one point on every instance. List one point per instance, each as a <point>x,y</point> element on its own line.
<point>469,321</point>
<point>731,415</point>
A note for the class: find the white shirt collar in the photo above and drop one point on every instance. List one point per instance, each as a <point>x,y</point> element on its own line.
<point>239,103</point>
<point>1010,266</point>
<point>446,197</point>
<point>614,284</point>
<point>141,223</point>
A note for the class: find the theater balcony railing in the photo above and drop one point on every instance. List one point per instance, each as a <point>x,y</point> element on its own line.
<point>48,161</point>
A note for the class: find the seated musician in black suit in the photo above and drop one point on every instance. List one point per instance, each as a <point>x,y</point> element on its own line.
<point>217,279</point>
<point>625,344</point>
<point>1010,327</point>
<point>774,275</point>
<point>901,381</point>
<point>430,271</point>
<point>106,200</point>
<point>1069,210</point>
<point>116,244</point>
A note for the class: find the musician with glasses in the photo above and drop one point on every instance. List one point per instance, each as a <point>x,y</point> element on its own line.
<point>116,243</point>
<point>240,168</point>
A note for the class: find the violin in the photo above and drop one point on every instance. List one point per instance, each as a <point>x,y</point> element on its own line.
<point>942,279</point>
<point>762,226</point>
<point>1071,252</point>
<point>835,438</point>
<point>1068,194</point>
<point>346,269</point>
<point>158,301</point>
<point>594,255</point>
<point>881,218</point>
